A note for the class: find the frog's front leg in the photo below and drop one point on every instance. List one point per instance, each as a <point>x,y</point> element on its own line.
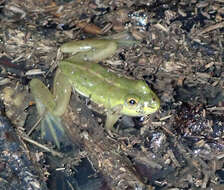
<point>52,106</point>
<point>111,120</point>
<point>113,114</point>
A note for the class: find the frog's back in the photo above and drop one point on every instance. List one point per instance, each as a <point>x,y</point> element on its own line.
<point>95,81</point>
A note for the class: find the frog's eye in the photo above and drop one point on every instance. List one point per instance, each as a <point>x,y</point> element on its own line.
<point>132,101</point>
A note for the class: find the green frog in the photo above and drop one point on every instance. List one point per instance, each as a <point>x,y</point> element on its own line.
<point>81,73</point>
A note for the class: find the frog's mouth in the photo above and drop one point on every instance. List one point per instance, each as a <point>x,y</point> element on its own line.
<point>152,107</point>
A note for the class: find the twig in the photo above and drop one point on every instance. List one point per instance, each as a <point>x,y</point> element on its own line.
<point>210,28</point>
<point>53,152</point>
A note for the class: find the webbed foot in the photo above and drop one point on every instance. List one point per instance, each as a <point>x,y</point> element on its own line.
<point>52,129</point>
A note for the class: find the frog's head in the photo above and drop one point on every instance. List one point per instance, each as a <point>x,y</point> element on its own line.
<point>142,102</point>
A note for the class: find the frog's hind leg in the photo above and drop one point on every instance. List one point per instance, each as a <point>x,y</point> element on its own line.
<point>51,107</point>
<point>97,50</point>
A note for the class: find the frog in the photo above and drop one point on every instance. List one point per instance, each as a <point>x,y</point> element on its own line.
<point>82,73</point>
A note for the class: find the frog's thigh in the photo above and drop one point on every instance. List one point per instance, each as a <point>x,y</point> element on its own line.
<point>62,92</point>
<point>43,97</point>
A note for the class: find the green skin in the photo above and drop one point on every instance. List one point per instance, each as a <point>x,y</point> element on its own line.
<point>118,95</point>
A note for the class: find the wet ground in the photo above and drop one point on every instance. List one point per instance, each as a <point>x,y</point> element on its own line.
<point>180,55</point>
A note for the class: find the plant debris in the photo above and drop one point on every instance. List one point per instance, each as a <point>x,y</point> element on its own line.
<point>180,55</point>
